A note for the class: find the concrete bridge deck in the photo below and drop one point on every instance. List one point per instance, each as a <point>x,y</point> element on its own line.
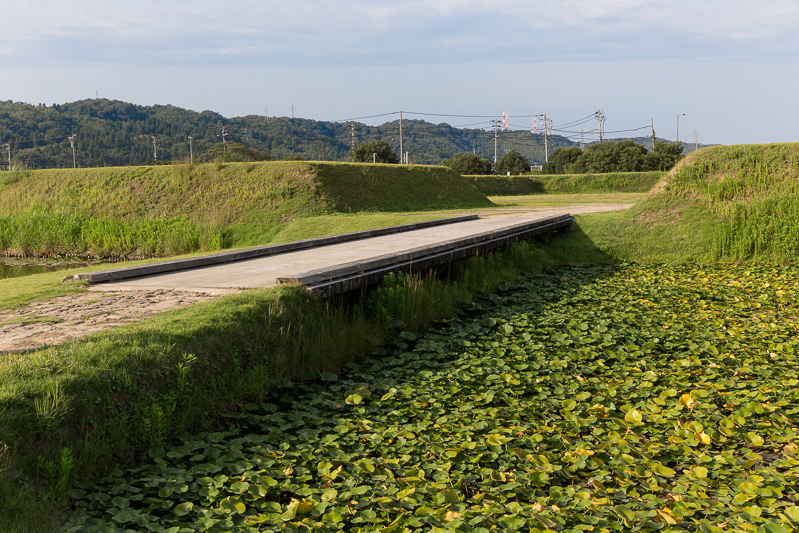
<point>329,268</point>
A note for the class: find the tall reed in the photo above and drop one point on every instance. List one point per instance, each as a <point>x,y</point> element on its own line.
<point>40,232</point>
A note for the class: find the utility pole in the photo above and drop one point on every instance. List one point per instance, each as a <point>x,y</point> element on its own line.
<point>402,153</point>
<point>696,141</point>
<point>546,139</point>
<point>496,137</point>
<point>678,125</point>
<point>191,150</point>
<point>352,133</point>
<point>600,120</point>
<point>266,113</point>
<point>155,150</point>
<point>72,143</point>
<point>8,147</point>
<point>582,134</point>
<point>652,124</point>
<point>292,110</point>
<point>224,140</point>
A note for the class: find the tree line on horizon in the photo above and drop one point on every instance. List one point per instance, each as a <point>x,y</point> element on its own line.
<point>116,133</point>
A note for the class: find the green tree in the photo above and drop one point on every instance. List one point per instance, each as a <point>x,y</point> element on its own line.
<point>610,156</point>
<point>562,160</point>
<point>664,156</point>
<point>513,162</point>
<point>468,165</point>
<point>377,151</point>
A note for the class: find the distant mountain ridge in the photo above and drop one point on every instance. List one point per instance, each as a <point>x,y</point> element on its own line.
<point>116,133</point>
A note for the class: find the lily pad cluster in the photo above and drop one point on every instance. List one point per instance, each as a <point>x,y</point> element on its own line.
<point>630,398</point>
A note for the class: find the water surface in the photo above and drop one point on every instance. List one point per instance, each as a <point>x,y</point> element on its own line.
<point>13,267</point>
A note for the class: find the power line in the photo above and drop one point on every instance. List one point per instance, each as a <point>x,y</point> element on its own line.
<point>451,116</point>
<point>577,122</point>
<point>626,131</point>
<point>370,116</point>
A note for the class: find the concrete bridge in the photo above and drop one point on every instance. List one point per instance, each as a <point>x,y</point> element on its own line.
<point>336,264</point>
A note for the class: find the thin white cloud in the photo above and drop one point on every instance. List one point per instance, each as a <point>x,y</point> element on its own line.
<point>309,32</point>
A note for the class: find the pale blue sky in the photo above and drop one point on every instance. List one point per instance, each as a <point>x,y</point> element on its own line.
<point>731,66</point>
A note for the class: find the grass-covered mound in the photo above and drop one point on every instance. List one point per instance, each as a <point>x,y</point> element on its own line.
<point>152,211</point>
<point>723,203</point>
<point>566,183</point>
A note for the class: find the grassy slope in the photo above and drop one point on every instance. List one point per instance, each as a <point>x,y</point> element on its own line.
<point>566,184</point>
<point>236,204</point>
<point>724,203</point>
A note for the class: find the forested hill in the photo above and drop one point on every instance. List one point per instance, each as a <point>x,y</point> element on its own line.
<point>114,133</point>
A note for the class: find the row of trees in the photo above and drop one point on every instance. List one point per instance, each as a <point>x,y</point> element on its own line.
<point>623,156</point>
<point>467,164</point>
<point>611,156</point>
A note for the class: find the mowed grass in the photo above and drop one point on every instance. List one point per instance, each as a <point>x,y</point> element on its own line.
<point>338,223</point>
<point>566,183</point>
<point>558,200</point>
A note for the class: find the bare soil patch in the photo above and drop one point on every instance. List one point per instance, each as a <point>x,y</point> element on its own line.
<point>66,318</point>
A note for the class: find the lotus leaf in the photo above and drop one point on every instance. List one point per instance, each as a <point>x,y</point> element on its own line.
<point>617,398</point>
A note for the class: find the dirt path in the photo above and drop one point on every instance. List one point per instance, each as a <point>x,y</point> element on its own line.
<point>62,319</point>
<point>70,317</point>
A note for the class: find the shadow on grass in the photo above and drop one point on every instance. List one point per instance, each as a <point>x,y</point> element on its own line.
<point>110,397</point>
